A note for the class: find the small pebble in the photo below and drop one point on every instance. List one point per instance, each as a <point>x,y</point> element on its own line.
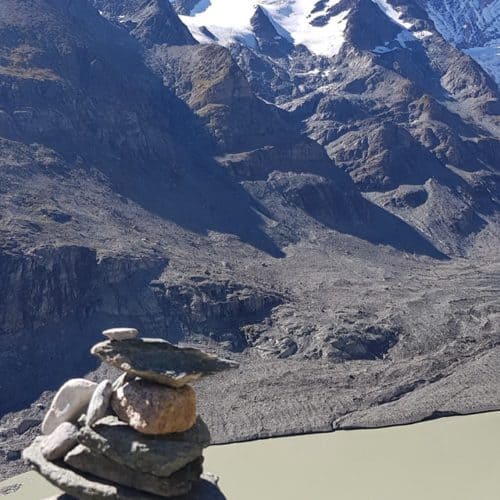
<point>121,333</point>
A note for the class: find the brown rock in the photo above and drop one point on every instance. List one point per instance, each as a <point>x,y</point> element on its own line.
<point>153,408</point>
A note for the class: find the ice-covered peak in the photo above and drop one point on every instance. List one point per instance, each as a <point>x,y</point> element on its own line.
<point>465,23</point>
<point>230,21</point>
<point>391,12</point>
<point>320,25</point>
<point>473,26</point>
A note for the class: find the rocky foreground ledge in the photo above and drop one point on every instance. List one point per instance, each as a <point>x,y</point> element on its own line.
<point>136,438</point>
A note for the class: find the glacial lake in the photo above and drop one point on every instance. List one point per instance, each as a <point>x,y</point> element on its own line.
<point>455,458</point>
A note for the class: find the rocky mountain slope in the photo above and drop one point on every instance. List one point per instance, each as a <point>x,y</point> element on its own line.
<point>394,104</point>
<point>471,25</point>
<point>312,186</point>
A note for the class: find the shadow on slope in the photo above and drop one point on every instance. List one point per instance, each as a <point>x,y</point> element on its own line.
<point>60,300</point>
<point>104,109</point>
<point>348,212</point>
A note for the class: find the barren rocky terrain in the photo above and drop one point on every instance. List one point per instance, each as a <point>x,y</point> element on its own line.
<point>337,235</point>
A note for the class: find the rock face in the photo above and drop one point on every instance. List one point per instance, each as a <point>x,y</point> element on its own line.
<point>154,451</point>
<point>471,25</point>
<point>152,408</point>
<point>68,404</point>
<point>160,361</point>
<point>152,22</point>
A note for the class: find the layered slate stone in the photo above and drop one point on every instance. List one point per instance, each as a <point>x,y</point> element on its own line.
<point>157,456</point>
<point>83,487</point>
<point>160,361</point>
<point>205,489</point>
<point>179,483</point>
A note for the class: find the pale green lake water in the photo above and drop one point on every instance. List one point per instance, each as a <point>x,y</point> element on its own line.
<point>449,459</point>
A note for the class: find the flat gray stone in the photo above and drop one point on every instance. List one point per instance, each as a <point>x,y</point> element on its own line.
<point>160,361</point>
<point>81,486</point>
<point>204,489</point>
<point>63,439</point>
<point>161,456</point>
<point>99,403</point>
<point>121,333</point>
<point>179,483</point>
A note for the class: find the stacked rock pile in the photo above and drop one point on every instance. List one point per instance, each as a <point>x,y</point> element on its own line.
<point>139,437</point>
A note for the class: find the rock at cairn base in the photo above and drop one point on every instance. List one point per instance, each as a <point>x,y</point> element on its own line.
<point>153,408</point>
<point>159,361</point>
<point>121,333</point>
<point>159,456</point>
<point>90,488</point>
<point>75,484</point>
<point>179,483</point>
<point>99,403</point>
<point>70,401</point>
<point>63,439</point>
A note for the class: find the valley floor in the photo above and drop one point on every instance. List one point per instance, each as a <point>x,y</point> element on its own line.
<point>435,324</point>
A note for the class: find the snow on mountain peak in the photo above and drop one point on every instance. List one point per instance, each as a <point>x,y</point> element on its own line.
<point>391,12</point>
<point>229,21</point>
<point>471,25</point>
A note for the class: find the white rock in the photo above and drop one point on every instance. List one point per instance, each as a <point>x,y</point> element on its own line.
<point>62,440</point>
<point>68,404</point>
<point>120,381</point>
<point>99,402</point>
<point>121,333</point>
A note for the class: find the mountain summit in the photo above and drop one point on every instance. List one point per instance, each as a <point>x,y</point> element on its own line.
<point>319,25</point>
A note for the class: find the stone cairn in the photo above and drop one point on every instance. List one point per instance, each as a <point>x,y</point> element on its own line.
<point>138,437</point>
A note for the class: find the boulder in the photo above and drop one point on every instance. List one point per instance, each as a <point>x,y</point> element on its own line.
<point>70,401</point>
<point>160,361</point>
<point>57,444</point>
<point>99,403</point>
<point>158,456</point>
<point>83,459</point>
<point>155,409</point>
<point>120,333</point>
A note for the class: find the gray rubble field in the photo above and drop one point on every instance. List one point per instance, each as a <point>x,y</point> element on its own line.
<point>445,358</point>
